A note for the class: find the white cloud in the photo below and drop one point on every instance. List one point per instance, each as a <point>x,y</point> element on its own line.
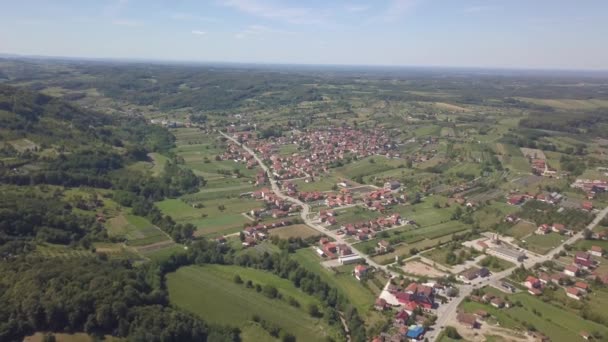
<point>476,9</point>
<point>193,17</point>
<point>357,8</point>
<point>265,9</point>
<point>258,30</point>
<point>198,32</point>
<point>127,22</point>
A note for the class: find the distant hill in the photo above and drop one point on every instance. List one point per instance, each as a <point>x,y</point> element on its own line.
<point>37,123</point>
<point>48,120</point>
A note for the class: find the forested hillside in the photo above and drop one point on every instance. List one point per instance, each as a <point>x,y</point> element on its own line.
<point>49,148</point>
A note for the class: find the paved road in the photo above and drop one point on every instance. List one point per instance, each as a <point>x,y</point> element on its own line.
<point>306,209</point>
<point>447,312</point>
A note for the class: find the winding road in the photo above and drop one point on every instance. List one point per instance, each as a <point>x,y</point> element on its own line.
<point>306,209</point>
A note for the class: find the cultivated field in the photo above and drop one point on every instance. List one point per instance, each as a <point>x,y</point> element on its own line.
<point>211,293</point>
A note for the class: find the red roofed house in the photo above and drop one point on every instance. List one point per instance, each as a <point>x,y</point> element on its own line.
<point>596,251</point>
<point>582,286</point>
<point>401,317</point>
<point>516,200</point>
<point>380,304</point>
<point>587,206</point>
<point>532,282</point>
<point>573,293</point>
<point>571,270</point>
<point>583,259</point>
<point>558,228</point>
<point>360,271</point>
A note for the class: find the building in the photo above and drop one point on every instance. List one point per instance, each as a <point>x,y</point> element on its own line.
<point>349,259</point>
<point>469,274</point>
<point>497,302</point>
<point>573,293</point>
<point>392,185</point>
<point>508,254</point>
<point>468,320</point>
<point>381,304</point>
<point>596,251</point>
<point>571,270</point>
<point>360,271</point>
<point>415,332</point>
<point>583,259</point>
<point>582,286</point>
<point>383,246</point>
<point>532,282</point>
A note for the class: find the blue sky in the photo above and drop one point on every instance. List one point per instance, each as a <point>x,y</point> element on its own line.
<point>492,33</point>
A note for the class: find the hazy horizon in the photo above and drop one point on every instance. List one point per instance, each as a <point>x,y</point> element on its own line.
<point>497,34</point>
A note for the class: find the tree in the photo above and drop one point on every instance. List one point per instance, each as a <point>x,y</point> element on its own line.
<point>237,279</point>
<point>313,310</point>
<point>452,333</point>
<point>270,291</point>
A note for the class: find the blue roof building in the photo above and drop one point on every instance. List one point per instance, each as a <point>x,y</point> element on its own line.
<point>415,331</point>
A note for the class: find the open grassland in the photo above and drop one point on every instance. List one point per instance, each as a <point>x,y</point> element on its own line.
<point>359,296</point>
<point>211,293</point>
<point>216,217</point>
<point>294,231</point>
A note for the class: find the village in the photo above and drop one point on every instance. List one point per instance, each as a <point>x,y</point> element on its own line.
<point>419,306</point>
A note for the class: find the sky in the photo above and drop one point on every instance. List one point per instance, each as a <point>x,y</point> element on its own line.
<point>547,34</point>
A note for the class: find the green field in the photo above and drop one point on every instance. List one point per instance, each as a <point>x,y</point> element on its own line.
<point>560,325</point>
<point>542,244</point>
<point>359,296</point>
<point>136,229</point>
<point>521,229</point>
<point>365,167</point>
<point>211,293</point>
<point>294,231</point>
<point>159,162</point>
<point>210,220</point>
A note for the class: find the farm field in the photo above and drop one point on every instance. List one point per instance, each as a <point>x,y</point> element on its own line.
<point>365,167</point>
<point>521,229</point>
<point>136,229</point>
<point>543,243</point>
<point>210,220</point>
<point>325,183</point>
<point>361,297</point>
<point>558,324</point>
<point>224,302</point>
<point>294,231</point>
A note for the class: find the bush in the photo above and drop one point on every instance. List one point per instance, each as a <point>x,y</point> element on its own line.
<point>452,333</point>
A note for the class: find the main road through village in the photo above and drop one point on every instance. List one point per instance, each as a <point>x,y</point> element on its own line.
<point>446,312</point>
